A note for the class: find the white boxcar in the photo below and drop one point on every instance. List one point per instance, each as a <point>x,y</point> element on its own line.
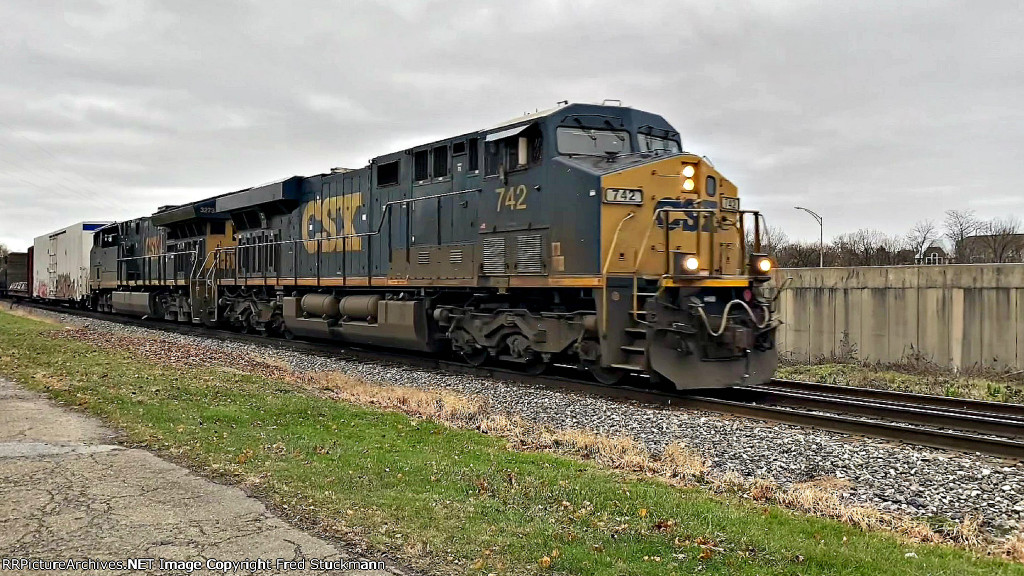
<point>61,263</point>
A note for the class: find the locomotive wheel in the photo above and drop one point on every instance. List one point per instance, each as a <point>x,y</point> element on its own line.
<point>535,368</point>
<point>607,375</point>
<point>477,357</point>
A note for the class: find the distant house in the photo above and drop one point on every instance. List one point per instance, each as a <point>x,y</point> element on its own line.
<point>992,248</point>
<point>905,256</point>
<point>934,254</point>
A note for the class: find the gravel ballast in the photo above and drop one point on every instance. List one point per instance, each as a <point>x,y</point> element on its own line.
<point>905,479</point>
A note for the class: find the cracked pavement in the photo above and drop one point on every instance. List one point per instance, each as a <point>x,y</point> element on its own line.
<point>70,491</point>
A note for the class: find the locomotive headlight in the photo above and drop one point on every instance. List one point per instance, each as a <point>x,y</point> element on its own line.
<point>691,263</point>
<point>689,171</point>
<point>761,264</point>
<point>688,184</point>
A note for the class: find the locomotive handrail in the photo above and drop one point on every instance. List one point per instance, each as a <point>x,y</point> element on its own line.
<point>668,252</point>
<point>210,278</point>
<point>194,254</point>
<point>377,231</point>
<point>604,271</point>
<point>641,253</point>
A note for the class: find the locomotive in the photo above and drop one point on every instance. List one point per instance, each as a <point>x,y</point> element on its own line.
<point>581,235</point>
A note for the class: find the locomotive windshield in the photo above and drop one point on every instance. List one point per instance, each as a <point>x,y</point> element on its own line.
<point>589,141</point>
<point>649,143</point>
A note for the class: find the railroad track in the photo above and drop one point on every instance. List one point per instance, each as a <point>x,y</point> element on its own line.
<point>954,424</point>
<point>935,421</point>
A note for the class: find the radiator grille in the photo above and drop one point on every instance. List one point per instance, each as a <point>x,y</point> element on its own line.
<point>455,256</point>
<point>494,256</point>
<point>529,254</point>
<point>423,258</point>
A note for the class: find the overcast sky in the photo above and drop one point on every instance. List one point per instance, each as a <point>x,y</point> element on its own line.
<point>875,114</point>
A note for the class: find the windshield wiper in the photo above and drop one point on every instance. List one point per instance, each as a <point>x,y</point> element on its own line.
<point>609,155</point>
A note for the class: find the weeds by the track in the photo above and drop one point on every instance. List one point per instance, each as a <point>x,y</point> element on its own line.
<point>912,377</point>
<point>415,476</point>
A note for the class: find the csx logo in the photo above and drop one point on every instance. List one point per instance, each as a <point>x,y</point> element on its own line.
<point>326,212</point>
<point>153,246</point>
<point>675,219</point>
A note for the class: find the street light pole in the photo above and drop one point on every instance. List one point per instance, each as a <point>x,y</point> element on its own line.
<point>821,235</point>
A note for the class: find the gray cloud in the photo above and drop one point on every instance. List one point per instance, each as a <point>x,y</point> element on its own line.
<point>873,113</point>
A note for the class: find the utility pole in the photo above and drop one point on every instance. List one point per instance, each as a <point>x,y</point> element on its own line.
<point>821,235</point>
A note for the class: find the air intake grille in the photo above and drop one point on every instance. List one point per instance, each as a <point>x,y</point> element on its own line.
<point>455,256</point>
<point>423,258</point>
<point>529,254</point>
<point>494,256</point>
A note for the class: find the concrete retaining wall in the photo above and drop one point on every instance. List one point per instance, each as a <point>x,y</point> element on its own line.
<point>957,315</point>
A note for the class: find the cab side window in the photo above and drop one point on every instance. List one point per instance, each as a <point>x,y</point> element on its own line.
<point>421,165</point>
<point>387,174</point>
<point>440,161</point>
<point>491,158</point>
<point>473,154</point>
<point>515,152</point>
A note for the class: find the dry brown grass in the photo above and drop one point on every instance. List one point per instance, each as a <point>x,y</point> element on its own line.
<point>726,482</point>
<point>445,407</point>
<point>1012,548</point>
<point>616,451</point>
<point>682,462</point>
<point>622,452</point>
<point>819,499</point>
<point>969,532</point>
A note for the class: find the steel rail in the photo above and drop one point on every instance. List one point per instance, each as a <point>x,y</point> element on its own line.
<point>1014,411</point>
<point>903,412</point>
<point>932,437</point>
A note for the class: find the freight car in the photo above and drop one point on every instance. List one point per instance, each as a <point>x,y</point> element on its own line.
<point>580,235</point>
<point>15,272</point>
<point>61,263</point>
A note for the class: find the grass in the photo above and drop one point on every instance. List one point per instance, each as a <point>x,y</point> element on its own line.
<point>909,377</point>
<point>453,500</point>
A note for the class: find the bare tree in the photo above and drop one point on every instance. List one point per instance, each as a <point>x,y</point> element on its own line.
<point>960,225</point>
<point>921,236</point>
<point>773,239</point>
<point>867,247</point>
<point>4,251</point>
<point>1001,240</point>
<point>799,255</point>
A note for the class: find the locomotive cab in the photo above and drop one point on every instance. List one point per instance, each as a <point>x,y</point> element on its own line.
<point>679,294</point>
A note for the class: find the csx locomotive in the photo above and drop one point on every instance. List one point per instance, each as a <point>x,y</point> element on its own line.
<point>580,235</point>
